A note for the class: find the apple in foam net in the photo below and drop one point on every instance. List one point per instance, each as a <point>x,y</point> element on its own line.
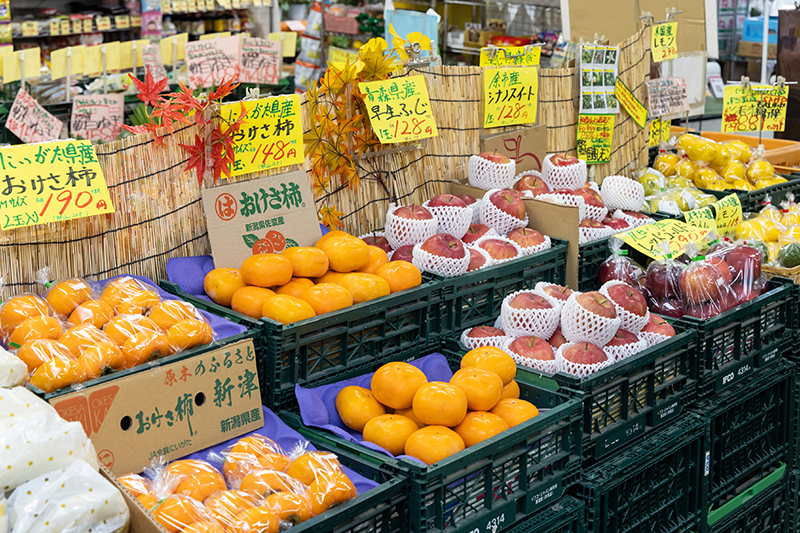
<point>616,223</point>
<point>563,160</point>
<point>590,197</point>
<point>378,241</point>
<point>628,298</point>
<point>404,253</point>
<point>622,338</point>
<point>468,199</point>
<point>494,157</point>
<point>584,353</point>
<point>446,200</point>
<point>445,245</point>
<point>526,237</point>
<point>530,182</point>
<point>482,332</point>
<point>567,192</point>
<point>532,348</point>
<point>474,232</point>
<point>591,223</point>
<point>413,212</point>
<point>529,300</point>
<point>510,202</point>
<point>557,339</point>
<point>659,326</point>
<point>499,249</point>
<point>596,303</point>
<point>476,260</point>
<point>558,292</point>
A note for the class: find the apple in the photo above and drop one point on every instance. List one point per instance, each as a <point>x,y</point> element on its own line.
<point>636,214</point>
<point>510,202</point>
<point>723,268</point>
<point>663,280</point>
<point>557,339</point>
<point>468,199</point>
<point>494,157</point>
<point>533,183</point>
<point>446,200</point>
<point>563,160</point>
<point>568,192</point>
<point>526,237</point>
<point>589,223</point>
<point>622,338</point>
<point>498,249</point>
<point>474,232</point>
<point>671,307</point>
<point>481,332</point>
<point>584,353</point>
<point>659,326</point>
<point>445,245</point>
<point>532,348</point>
<point>403,253</point>
<point>558,292</point>
<point>621,269</point>
<point>727,299</point>
<point>699,283</point>
<point>413,212</point>
<point>744,293</point>
<point>590,197</point>
<point>616,224</point>
<point>628,298</point>
<point>476,260</point>
<point>378,241</point>
<point>702,311</point>
<point>596,303</point>
<point>745,263</point>
<point>529,300</point>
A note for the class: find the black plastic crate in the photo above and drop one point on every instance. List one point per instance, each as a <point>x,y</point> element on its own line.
<point>474,299</point>
<point>657,484</point>
<point>794,490</point>
<point>564,516</point>
<point>733,344</point>
<point>498,482</point>
<point>752,431</point>
<point>625,401</point>
<point>590,256</point>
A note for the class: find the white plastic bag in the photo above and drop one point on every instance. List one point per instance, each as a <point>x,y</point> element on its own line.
<point>12,371</point>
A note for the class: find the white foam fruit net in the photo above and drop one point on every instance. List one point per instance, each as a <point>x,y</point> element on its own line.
<point>628,321</point>
<point>580,325</point>
<point>595,213</point>
<point>592,234</point>
<point>566,199</point>
<point>485,174</point>
<point>501,221</point>
<point>542,246</point>
<point>567,177</point>
<point>555,302</point>
<point>452,219</point>
<point>621,192</point>
<point>476,210</point>
<point>633,222</point>
<point>404,232</point>
<point>470,343</point>
<point>374,234</point>
<point>444,266</point>
<point>577,369</point>
<point>489,261</point>
<point>618,353</point>
<point>477,244</point>
<point>548,367</point>
<point>521,322</point>
<point>653,338</point>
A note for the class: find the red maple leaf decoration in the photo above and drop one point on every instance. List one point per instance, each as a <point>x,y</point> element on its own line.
<point>149,91</point>
<point>197,157</point>
<point>225,88</point>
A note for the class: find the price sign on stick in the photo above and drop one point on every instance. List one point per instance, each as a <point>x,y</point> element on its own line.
<point>399,109</point>
<point>260,61</point>
<point>211,62</point>
<point>667,96</point>
<point>272,135</point>
<point>654,134</point>
<point>97,116</point>
<point>51,182</point>
<point>630,103</point>
<point>595,134</point>
<point>32,123</point>
<point>701,218</point>
<point>646,238</point>
<point>521,56</point>
<point>510,96</point>
<point>664,44</point>
<point>742,108</point>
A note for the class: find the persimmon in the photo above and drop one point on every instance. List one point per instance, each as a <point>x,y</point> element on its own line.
<point>256,519</point>
<point>94,359</point>
<point>136,484</point>
<point>264,482</point>
<point>400,275</point>
<point>330,277</point>
<point>306,262</point>
<point>123,327</point>
<point>189,333</point>
<point>222,283</point>
<point>440,404</point>
<point>492,359</point>
<point>483,388</point>
<point>18,309</point>
<point>206,526</point>
<point>327,297</point>
<point>331,235</point>
<point>289,506</point>
<point>148,501</point>
<point>35,353</point>
<point>66,295</point>
<point>169,312</point>
<point>250,300</point>
<point>36,327</point>
<point>432,444</point>
<point>138,304</point>
<point>478,426</point>
<point>511,389</point>
<point>357,406</point>
<point>78,337</point>
<point>390,432</point>
<point>143,346</point>
<point>120,290</point>
<point>266,270</point>
<point>56,373</point>
<point>296,287</point>
<point>394,384</point>
<point>329,490</point>
<point>365,287</point>
<point>409,413</point>
<point>287,309</point>
<point>346,254</point>
<point>225,505</point>
<point>305,466</point>
<point>177,512</point>
<point>515,411</point>
<point>377,258</point>
<point>200,485</point>
<point>95,312</point>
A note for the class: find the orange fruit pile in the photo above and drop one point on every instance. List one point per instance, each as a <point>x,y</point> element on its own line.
<point>302,282</point>
<point>404,413</point>
<point>73,335</point>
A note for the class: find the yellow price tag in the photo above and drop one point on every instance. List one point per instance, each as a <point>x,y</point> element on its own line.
<point>664,41</point>
<point>225,4</point>
<point>666,131</point>
<point>630,103</point>
<point>279,116</point>
<point>103,23</point>
<point>166,7</point>
<point>236,4</point>
<point>740,108</point>
<point>136,21</point>
<point>520,56</point>
<point>654,133</point>
<point>340,56</point>
<point>12,65</point>
<point>399,110</point>
<point>510,96</point>
<point>58,62</point>
<point>728,213</point>
<point>191,5</point>
<point>701,218</point>
<point>87,25</point>
<point>55,28</point>
<point>257,3</point>
<point>677,234</point>
<point>77,26</point>
<point>30,28</point>
<point>595,136</point>
<point>122,22</point>
<point>210,5</point>
<point>289,41</point>
<point>66,27</point>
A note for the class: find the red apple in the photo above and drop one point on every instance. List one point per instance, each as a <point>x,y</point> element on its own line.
<point>568,192</point>
<point>590,197</point>
<point>703,311</point>
<point>659,326</point>
<point>671,307</point>
<point>475,232</point>
<point>530,182</point>
<point>616,224</point>
<point>622,338</point>
<point>526,237</point>
<point>622,269</point>
<point>510,202</point>
<point>727,299</point>
<point>558,292</point>
<point>499,249</point>
<point>745,263</point>
<point>413,212</point>
<point>378,241</point>
<point>476,260</point>
<point>663,280</point>
<point>585,353</point>
<point>563,160</point>
<point>532,348</point>
<point>699,282</point>
<point>596,303</point>
<point>445,245</point>
<point>403,253</point>
<point>636,214</point>
<point>529,300</point>
<point>468,199</point>
<point>589,223</point>
<point>628,298</point>
<point>446,200</point>
<point>744,293</point>
<point>723,268</point>
<point>481,332</point>
<point>557,339</point>
<point>494,157</point>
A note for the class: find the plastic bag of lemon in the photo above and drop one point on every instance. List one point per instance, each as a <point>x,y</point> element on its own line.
<point>662,191</point>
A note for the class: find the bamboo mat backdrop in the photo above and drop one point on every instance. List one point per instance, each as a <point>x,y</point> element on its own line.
<point>159,213</point>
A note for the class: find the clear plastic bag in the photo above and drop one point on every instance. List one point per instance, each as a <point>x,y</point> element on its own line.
<point>663,285</point>
<point>130,296</point>
<point>18,309</point>
<point>254,452</point>
<point>705,286</point>
<point>66,295</point>
<point>619,266</point>
<point>139,338</point>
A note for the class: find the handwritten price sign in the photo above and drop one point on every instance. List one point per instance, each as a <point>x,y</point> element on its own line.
<point>211,62</point>
<point>51,182</point>
<point>667,96</point>
<point>659,131</point>
<point>399,110</point>
<point>647,238</point>
<point>664,44</point>
<point>510,96</point>
<point>260,61</point>
<point>31,122</point>
<point>722,216</point>
<point>742,109</point>
<point>272,136</point>
<point>521,56</point>
<point>631,104</point>
<point>595,134</point>
<point>97,116</point>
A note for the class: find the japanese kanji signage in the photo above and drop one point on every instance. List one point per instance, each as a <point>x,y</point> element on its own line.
<point>31,122</point>
<point>399,109</point>
<point>599,66</point>
<point>211,62</point>
<point>50,182</point>
<point>630,103</point>
<point>260,61</point>
<point>259,216</point>
<point>171,409</point>
<point>519,56</point>
<point>667,96</point>
<point>664,43</point>
<point>595,134</point>
<point>742,108</point>
<point>722,216</point>
<point>659,131</point>
<point>647,239</point>
<point>510,96</point>
<point>272,136</point>
<point>96,117</point>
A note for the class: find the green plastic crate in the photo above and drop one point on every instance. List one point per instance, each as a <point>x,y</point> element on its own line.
<point>495,483</point>
<point>752,431</point>
<point>733,344</point>
<point>590,257</point>
<point>658,484</point>
<point>564,516</point>
<point>794,490</point>
<point>333,346</point>
<point>625,401</point>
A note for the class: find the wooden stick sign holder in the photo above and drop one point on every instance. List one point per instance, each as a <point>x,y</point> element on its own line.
<point>649,20</point>
<point>780,83</point>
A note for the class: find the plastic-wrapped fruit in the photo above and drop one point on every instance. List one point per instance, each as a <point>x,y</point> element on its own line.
<point>769,182</point>
<point>704,200</point>
<point>725,154</point>
<point>759,170</point>
<point>707,178</point>
<point>686,168</point>
<point>741,185</point>
<point>698,148</point>
<point>652,182</point>
<point>665,163</point>
<point>761,247</point>
<point>789,255</point>
<point>732,170</point>
<point>678,182</point>
<point>679,199</point>
<point>773,248</point>
<point>790,217</point>
<point>771,212</point>
<point>738,150</point>
<point>791,234</point>
<point>759,228</point>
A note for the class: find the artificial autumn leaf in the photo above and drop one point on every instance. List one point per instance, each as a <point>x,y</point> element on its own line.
<point>330,217</point>
<point>168,111</point>
<point>136,130</point>
<point>321,183</point>
<point>414,37</point>
<point>377,65</point>
<point>366,143</point>
<point>224,89</point>
<point>186,99</point>
<point>197,157</point>
<point>149,90</point>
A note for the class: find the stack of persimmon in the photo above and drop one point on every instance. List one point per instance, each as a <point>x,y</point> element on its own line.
<point>74,335</point>
<point>302,282</point>
<point>260,489</point>
<point>404,413</point>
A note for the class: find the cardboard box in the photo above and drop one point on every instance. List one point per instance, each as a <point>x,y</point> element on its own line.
<point>753,30</point>
<point>141,520</point>
<point>748,49</point>
<point>527,147</point>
